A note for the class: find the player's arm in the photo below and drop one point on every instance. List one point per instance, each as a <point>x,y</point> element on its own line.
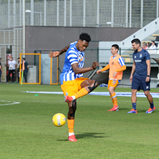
<point>78,70</point>
<point>121,69</point>
<point>132,71</point>
<point>103,69</point>
<point>148,63</point>
<point>58,53</point>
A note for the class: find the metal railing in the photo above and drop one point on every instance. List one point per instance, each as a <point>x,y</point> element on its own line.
<point>86,13</point>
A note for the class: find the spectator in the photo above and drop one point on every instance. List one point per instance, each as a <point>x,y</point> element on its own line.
<point>0,70</point>
<point>153,46</point>
<point>18,66</point>
<point>144,45</point>
<point>148,45</point>
<point>26,69</point>
<point>11,65</point>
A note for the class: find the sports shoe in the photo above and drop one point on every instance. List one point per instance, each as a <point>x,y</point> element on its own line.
<point>68,98</point>
<point>132,111</point>
<point>150,110</point>
<point>115,108</point>
<point>72,138</point>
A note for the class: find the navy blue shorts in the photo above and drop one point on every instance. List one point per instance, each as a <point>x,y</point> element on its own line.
<point>139,82</point>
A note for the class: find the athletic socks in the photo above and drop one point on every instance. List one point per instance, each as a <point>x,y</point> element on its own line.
<point>114,98</point>
<point>134,106</point>
<point>70,123</point>
<point>151,105</point>
<point>111,99</point>
<point>80,93</point>
<point>70,134</point>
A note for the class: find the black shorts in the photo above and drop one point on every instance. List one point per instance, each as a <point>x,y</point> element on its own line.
<point>139,82</point>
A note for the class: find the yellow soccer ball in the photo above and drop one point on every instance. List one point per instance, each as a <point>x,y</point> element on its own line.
<point>59,119</point>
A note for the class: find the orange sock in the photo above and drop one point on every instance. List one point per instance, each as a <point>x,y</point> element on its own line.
<point>111,99</point>
<point>114,99</point>
<point>80,93</point>
<point>70,123</point>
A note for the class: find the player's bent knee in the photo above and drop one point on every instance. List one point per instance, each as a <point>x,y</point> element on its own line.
<point>91,88</point>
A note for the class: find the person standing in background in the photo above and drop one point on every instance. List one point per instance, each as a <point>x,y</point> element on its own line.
<point>18,66</point>
<point>11,65</point>
<point>26,69</point>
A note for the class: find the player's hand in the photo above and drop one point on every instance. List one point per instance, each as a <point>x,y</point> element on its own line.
<point>147,79</point>
<point>99,71</point>
<point>54,54</point>
<point>94,65</point>
<point>130,78</point>
<point>114,74</point>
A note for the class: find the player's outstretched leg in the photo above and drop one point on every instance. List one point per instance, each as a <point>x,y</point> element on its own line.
<point>71,120</point>
<point>87,86</point>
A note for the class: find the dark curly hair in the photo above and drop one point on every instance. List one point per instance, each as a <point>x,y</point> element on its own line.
<point>85,36</point>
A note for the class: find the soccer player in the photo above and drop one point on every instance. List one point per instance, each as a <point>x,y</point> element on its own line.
<point>73,84</point>
<point>140,75</point>
<point>116,67</point>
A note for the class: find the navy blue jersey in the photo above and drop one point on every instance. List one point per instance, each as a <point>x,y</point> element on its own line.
<point>140,61</point>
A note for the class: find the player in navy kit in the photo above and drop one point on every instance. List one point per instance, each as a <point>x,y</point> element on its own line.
<point>140,75</point>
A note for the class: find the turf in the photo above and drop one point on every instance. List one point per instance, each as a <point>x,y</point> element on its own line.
<point>27,131</point>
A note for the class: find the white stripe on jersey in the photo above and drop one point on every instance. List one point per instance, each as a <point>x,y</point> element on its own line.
<point>68,77</point>
<point>121,61</point>
<point>72,55</point>
<point>72,60</point>
<point>73,76</point>
<point>64,76</point>
<point>72,51</point>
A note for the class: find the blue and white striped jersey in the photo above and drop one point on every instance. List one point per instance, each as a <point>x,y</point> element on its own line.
<point>72,56</point>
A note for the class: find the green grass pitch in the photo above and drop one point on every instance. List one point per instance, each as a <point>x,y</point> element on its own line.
<point>27,131</point>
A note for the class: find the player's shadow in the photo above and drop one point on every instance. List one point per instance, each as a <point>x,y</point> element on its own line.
<point>128,109</point>
<point>88,135</point>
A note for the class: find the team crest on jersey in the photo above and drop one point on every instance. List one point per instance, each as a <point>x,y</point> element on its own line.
<point>140,55</point>
<point>81,58</point>
<point>134,56</point>
<point>112,63</point>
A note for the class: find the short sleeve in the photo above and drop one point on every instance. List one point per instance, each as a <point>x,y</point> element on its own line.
<point>121,61</point>
<point>72,57</point>
<point>147,55</point>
